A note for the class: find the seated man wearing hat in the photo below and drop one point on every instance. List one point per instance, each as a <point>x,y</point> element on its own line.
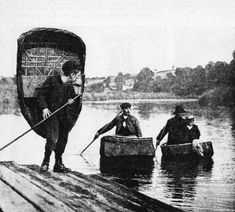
<point>192,129</point>
<point>193,134</point>
<point>175,127</point>
<point>126,124</point>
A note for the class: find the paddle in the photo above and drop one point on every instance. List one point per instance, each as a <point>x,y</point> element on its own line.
<point>160,137</point>
<point>100,133</point>
<point>36,125</point>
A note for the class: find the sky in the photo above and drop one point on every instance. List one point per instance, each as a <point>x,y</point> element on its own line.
<point>126,36</point>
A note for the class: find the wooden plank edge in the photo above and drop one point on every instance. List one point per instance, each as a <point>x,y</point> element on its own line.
<point>106,197</point>
<point>88,205</point>
<point>12,201</point>
<point>30,192</point>
<point>127,193</point>
<point>154,202</point>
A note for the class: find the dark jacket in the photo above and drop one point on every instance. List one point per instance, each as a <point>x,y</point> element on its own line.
<point>132,126</point>
<point>193,133</point>
<point>54,93</point>
<point>177,131</point>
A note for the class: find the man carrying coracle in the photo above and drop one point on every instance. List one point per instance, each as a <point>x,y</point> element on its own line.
<point>55,92</point>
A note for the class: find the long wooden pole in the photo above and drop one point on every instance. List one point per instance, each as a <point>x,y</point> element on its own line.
<point>36,125</point>
<point>100,133</point>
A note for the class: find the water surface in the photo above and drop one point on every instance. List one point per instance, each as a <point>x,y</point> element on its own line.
<point>193,185</point>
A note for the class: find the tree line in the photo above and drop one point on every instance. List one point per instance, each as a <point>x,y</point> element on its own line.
<point>183,82</point>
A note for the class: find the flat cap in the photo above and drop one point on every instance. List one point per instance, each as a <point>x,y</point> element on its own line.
<point>125,105</point>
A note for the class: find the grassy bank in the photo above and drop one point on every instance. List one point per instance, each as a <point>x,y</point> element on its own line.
<point>122,95</point>
<point>220,96</point>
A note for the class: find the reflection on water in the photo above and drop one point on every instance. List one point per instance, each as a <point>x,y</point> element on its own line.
<point>182,178</point>
<point>181,168</point>
<point>207,185</point>
<point>145,110</point>
<point>132,172</point>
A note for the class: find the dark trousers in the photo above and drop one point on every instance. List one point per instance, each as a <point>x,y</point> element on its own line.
<point>57,136</point>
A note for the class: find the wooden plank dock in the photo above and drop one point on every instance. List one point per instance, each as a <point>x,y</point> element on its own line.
<point>25,188</point>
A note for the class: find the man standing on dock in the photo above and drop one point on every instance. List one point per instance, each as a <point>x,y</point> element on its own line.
<point>55,92</point>
<point>126,124</point>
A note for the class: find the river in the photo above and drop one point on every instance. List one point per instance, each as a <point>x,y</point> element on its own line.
<point>207,185</point>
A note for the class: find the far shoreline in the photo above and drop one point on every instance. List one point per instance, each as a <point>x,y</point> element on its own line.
<point>140,100</point>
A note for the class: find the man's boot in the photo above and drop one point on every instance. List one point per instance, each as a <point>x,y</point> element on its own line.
<point>45,163</point>
<point>45,166</point>
<point>59,166</point>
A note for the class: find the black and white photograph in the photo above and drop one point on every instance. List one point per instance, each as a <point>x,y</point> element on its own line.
<point>110,105</point>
